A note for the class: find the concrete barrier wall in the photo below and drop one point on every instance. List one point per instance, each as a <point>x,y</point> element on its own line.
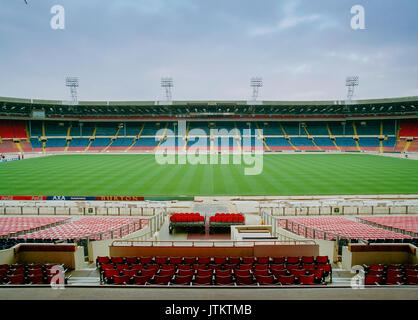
<point>101,248</point>
<point>7,256</point>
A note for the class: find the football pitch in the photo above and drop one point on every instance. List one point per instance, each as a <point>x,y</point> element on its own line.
<point>141,175</point>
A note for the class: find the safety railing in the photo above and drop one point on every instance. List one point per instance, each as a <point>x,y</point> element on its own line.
<point>207,243</point>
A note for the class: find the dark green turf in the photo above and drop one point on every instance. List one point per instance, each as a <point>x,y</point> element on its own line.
<point>283,174</point>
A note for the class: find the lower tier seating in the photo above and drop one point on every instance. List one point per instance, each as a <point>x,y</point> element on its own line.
<point>213,271</point>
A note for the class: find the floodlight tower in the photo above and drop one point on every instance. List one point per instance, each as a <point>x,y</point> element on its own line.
<point>256,83</point>
<point>351,83</point>
<point>167,84</point>
<point>72,83</point>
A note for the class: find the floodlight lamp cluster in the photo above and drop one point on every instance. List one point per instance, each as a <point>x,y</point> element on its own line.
<point>352,81</point>
<point>71,82</point>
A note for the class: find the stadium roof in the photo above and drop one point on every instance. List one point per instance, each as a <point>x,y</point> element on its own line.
<point>24,107</point>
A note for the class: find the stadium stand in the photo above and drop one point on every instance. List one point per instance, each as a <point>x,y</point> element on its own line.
<point>215,271</point>
<point>30,274</point>
<point>398,223</point>
<point>189,221</point>
<point>333,226</point>
<point>398,274</point>
<point>88,227</point>
<point>10,226</point>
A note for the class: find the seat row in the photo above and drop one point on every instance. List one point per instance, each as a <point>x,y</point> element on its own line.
<point>227,218</point>
<point>29,274</point>
<point>394,274</point>
<point>209,280</point>
<point>213,260</point>
<point>186,217</point>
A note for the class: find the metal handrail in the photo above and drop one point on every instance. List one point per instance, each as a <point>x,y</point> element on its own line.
<point>198,243</point>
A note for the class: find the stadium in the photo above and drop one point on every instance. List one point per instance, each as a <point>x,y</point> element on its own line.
<point>192,199</point>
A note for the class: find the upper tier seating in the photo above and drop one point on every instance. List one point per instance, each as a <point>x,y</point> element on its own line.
<point>317,128</point>
<point>87,226</point>
<point>270,128</point>
<point>10,129</point>
<point>341,226</point>
<point>409,128</point>
<point>56,128</point>
<point>406,223</point>
<point>368,127</point>
<point>12,225</point>
<point>106,129</point>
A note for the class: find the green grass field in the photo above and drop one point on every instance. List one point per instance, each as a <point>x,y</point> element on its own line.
<point>140,175</point>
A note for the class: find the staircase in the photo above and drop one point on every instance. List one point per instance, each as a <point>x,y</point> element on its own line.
<point>259,133</point>
<point>333,141</point>
<point>111,141</point>
<point>165,131</point>
<point>381,141</point>
<point>355,133</point>
<point>290,141</point>
<point>313,140</point>
<point>139,136</point>
<point>239,135</point>
<point>91,141</point>
<point>68,141</point>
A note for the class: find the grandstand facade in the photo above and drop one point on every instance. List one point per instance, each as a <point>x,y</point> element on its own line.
<point>386,125</point>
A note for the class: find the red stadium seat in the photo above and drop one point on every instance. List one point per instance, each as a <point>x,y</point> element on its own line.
<point>219,260</point>
<point>161,260</point>
<point>373,280</point>
<point>223,280</point>
<point>203,260</point>
<point>242,273</point>
<point>169,273</point>
<point>130,273</point>
<point>278,260</point>
<point>131,260</point>
<point>141,280</point>
<point>16,279</point>
<point>35,279</point>
<point>286,280</point>
<point>223,273</point>
<point>189,260</point>
<point>121,267</point>
<point>248,260</point>
<point>184,273</point>
<point>175,260</point>
<point>204,273</point>
<point>261,273</point>
<point>263,260</point>
<point>322,259</point>
<point>182,280</point>
<point>265,280</point>
<point>116,260</point>
<point>168,267</point>
<point>102,260</point>
<point>275,267</point>
<point>292,260</point>
<point>394,280</point>
<point>148,272</point>
<point>121,279</point>
<point>260,267</point>
<point>137,267</point>
<point>244,280</point>
<point>308,260</point>
<point>184,267</point>
<point>162,280</point>
<point>309,280</point>
<point>203,280</point>
<point>412,280</point>
<point>234,260</point>
<point>145,260</point>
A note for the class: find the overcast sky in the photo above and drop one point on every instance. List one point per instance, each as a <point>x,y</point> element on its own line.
<point>120,49</point>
